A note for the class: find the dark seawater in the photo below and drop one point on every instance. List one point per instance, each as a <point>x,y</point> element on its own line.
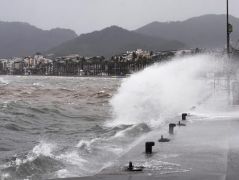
<point>55,126</point>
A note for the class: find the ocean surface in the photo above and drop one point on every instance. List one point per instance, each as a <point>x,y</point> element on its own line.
<point>56,127</point>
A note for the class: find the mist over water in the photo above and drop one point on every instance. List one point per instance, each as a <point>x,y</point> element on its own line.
<point>64,127</point>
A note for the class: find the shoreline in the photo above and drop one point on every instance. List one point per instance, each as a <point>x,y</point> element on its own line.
<point>112,77</point>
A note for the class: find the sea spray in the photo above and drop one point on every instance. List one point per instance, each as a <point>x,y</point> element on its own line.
<point>163,90</point>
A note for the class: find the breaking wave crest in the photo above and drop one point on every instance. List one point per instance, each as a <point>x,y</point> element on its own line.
<point>87,157</point>
<point>163,91</point>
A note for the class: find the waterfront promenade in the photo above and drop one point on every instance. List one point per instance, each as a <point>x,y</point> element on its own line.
<point>206,150</point>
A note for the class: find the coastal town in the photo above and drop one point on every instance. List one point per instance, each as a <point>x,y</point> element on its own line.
<point>76,65</point>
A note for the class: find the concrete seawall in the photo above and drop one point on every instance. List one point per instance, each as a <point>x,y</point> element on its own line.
<point>201,150</point>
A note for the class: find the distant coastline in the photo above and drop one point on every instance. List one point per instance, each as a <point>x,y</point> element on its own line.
<point>76,65</point>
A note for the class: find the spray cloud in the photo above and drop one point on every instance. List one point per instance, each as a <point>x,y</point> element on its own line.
<point>163,90</point>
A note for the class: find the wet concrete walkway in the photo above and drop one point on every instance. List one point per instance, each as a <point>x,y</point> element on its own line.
<point>202,150</point>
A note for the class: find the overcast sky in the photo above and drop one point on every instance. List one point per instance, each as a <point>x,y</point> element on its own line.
<point>89,15</point>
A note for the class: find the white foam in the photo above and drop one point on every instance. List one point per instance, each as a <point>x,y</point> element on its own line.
<point>5,176</point>
<point>63,173</point>
<point>4,81</point>
<point>85,144</point>
<point>44,148</point>
<point>72,158</point>
<point>162,91</point>
<point>37,84</point>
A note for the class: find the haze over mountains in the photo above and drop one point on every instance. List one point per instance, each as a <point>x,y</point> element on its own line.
<point>23,39</point>
<point>208,31</point>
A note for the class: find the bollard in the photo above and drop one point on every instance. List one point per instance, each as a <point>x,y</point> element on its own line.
<point>184,116</point>
<point>181,124</point>
<point>162,139</point>
<point>131,167</point>
<point>171,126</point>
<point>148,147</point>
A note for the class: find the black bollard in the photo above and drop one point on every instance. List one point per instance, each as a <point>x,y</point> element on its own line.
<point>171,126</point>
<point>131,167</point>
<point>184,116</point>
<point>148,147</point>
<point>162,139</point>
<point>181,124</point>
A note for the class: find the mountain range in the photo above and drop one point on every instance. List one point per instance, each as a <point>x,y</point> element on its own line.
<point>113,40</point>
<point>208,31</point>
<point>23,39</point>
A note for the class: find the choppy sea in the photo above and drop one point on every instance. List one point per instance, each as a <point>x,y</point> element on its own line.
<point>55,127</point>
